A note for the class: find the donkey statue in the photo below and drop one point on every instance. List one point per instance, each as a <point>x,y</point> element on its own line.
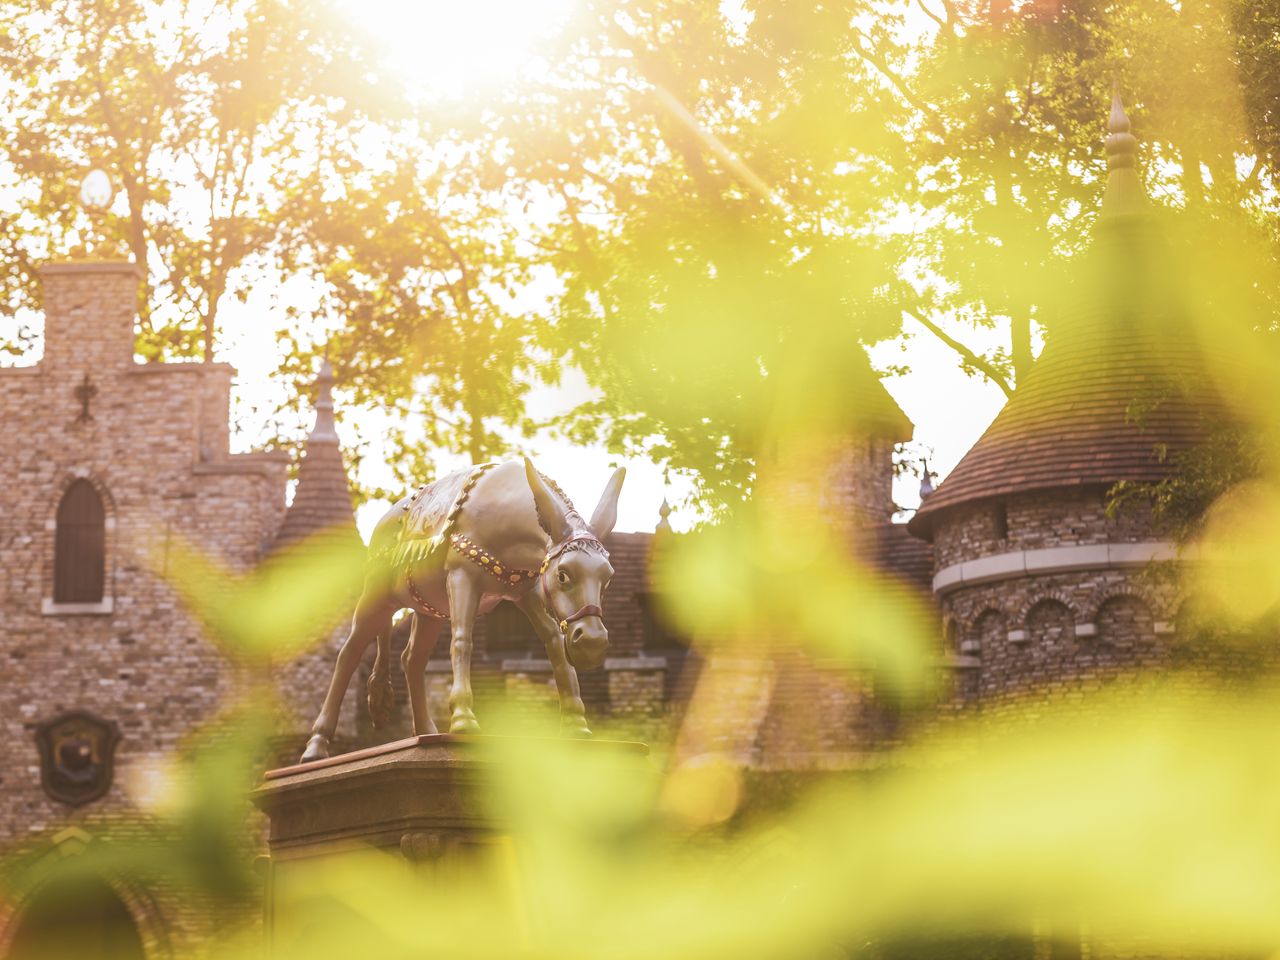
<point>453,551</point>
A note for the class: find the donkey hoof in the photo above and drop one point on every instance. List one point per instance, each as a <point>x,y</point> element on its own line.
<point>575,727</point>
<point>464,723</point>
<point>317,748</point>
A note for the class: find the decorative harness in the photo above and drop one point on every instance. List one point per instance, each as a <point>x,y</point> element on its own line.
<point>507,576</point>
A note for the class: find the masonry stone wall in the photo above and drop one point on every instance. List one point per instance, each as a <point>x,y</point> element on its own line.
<point>1037,521</point>
<point>1024,637</point>
<point>1045,636</point>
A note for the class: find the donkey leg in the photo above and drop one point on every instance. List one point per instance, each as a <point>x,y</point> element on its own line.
<point>369,619</point>
<point>414,661</point>
<point>573,712</point>
<point>464,602</point>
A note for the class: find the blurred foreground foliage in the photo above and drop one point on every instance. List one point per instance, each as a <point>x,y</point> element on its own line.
<point>1142,816</point>
<point>1141,813</point>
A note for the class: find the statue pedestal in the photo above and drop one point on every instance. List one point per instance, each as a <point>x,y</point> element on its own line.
<point>427,800</point>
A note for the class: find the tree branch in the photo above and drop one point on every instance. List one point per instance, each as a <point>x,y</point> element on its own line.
<point>979,363</point>
<point>942,24</point>
<point>882,67</point>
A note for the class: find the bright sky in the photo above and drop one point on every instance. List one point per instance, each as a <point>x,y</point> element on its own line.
<point>460,48</point>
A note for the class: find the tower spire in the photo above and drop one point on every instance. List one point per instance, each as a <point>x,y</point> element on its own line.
<point>322,500</point>
<point>325,430</point>
<point>664,511</point>
<point>1124,191</point>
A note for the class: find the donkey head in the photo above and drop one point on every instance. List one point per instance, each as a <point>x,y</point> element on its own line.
<point>575,579</point>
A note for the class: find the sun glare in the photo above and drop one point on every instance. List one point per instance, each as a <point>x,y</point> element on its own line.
<point>455,48</point>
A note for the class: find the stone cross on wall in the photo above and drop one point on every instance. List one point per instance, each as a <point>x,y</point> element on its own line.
<point>85,392</point>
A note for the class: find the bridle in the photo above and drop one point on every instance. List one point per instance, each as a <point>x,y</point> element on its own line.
<point>586,610</point>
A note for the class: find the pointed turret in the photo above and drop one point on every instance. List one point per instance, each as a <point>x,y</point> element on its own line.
<point>1124,190</point>
<point>1119,390</point>
<point>322,500</point>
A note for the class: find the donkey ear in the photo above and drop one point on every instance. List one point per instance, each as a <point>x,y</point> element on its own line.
<point>606,514</point>
<point>552,514</point>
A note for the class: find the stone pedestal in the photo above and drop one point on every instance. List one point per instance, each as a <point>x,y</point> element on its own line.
<point>425,800</point>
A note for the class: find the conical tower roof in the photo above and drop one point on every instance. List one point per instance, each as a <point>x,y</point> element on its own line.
<point>322,500</point>
<point>1119,390</point>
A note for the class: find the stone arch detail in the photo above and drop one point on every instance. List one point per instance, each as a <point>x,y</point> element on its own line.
<point>94,479</point>
<point>1157,609</point>
<point>43,874</point>
<point>986,629</point>
<point>1056,596</point>
<point>1115,592</point>
<point>1124,617</point>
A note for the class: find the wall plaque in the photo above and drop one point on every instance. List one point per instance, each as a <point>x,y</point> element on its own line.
<point>77,754</point>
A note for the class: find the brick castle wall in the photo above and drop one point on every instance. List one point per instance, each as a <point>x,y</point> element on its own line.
<point>155,449</point>
<point>1036,521</point>
<point>1024,637</point>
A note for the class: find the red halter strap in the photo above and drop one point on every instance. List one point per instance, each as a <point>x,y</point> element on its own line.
<point>590,610</point>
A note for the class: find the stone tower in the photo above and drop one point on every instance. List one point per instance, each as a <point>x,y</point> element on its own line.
<point>1041,589</point>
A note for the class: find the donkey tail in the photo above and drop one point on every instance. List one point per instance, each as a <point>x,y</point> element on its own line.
<point>381,694</point>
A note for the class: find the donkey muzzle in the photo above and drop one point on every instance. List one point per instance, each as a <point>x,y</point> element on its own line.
<point>584,646</point>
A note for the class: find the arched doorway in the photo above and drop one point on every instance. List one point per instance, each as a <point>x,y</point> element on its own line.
<point>82,918</point>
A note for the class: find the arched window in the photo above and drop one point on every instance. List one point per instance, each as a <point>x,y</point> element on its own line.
<point>79,554</point>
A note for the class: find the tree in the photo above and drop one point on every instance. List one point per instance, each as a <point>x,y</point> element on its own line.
<point>1008,143</point>
<point>710,172</point>
<point>197,110</point>
<point>718,191</point>
<point>420,277</point>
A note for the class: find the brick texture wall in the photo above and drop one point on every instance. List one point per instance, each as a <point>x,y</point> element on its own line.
<point>1036,521</point>
<point>860,490</point>
<point>1032,638</point>
<point>156,451</point>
